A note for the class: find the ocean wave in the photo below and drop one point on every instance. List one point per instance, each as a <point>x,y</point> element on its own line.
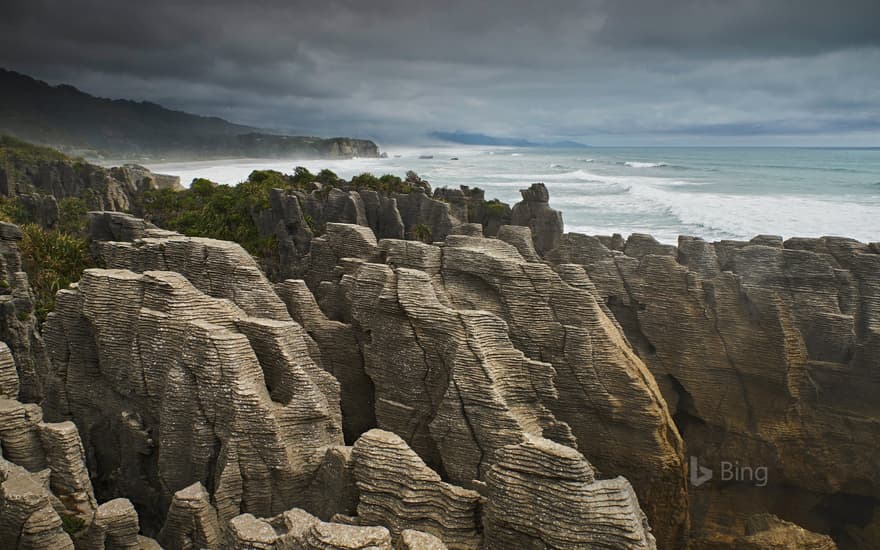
<point>516,154</point>
<point>639,164</point>
<point>585,160</point>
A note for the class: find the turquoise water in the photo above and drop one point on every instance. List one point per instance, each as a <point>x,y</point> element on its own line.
<point>715,193</point>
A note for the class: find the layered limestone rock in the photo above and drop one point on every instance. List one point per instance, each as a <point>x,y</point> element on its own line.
<point>418,209</point>
<point>169,386</point>
<point>299,530</point>
<point>762,349</point>
<point>603,390</point>
<point>534,212</point>
<point>767,532</point>
<point>540,494</point>
<point>18,324</point>
<point>340,356</point>
<point>8,374</point>
<point>399,491</point>
<point>448,381</point>
<point>27,516</point>
<point>192,521</point>
<point>221,269</point>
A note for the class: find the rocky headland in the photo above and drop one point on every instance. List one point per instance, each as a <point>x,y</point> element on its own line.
<point>418,368</point>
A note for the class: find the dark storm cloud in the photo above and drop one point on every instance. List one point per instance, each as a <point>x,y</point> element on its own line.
<point>637,70</point>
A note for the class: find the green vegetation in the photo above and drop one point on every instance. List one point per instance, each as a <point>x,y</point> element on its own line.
<point>385,184</point>
<point>224,212</point>
<point>496,207</point>
<point>421,232</point>
<point>73,216</point>
<point>52,259</point>
<point>12,149</point>
<point>72,524</point>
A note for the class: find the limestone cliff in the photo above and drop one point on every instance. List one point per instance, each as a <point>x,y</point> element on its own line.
<point>767,353</point>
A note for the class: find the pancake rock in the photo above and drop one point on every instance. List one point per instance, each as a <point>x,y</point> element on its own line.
<point>762,349</point>
<point>399,491</point>
<point>604,391</point>
<point>27,516</point>
<point>18,324</point>
<point>534,212</point>
<point>221,269</point>
<point>540,494</point>
<point>449,382</point>
<point>299,530</point>
<point>170,387</point>
<point>192,521</point>
<point>767,532</point>
<point>340,356</point>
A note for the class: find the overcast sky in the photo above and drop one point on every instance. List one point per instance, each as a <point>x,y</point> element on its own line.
<point>603,72</point>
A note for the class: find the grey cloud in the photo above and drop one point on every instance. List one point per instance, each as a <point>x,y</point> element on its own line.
<point>602,71</point>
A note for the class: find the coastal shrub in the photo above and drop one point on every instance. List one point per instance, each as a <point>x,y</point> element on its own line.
<point>421,232</point>
<point>52,259</point>
<point>73,216</point>
<point>11,210</point>
<point>224,212</point>
<point>72,524</point>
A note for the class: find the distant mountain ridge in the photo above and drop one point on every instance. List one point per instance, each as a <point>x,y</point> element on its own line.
<point>76,122</point>
<point>470,138</point>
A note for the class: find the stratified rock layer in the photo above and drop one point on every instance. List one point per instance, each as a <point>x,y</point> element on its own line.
<point>534,212</point>
<point>762,349</point>
<point>603,390</point>
<point>399,491</point>
<point>170,387</point>
<point>540,494</point>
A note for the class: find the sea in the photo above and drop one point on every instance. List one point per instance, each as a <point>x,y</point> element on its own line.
<point>714,193</point>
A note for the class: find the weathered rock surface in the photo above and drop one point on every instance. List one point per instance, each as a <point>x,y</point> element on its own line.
<point>18,324</point>
<point>221,269</point>
<point>27,516</point>
<point>762,349</point>
<point>417,208</point>
<point>399,491</point>
<point>340,356</point>
<point>192,521</point>
<point>299,530</point>
<point>169,387</point>
<point>540,494</point>
<point>603,390</point>
<point>449,382</point>
<point>535,213</point>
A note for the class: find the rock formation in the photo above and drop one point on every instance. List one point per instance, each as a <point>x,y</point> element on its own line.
<point>18,324</point>
<point>399,491</point>
<point>603,391</point>
<point>169,386</point>
<point>762,349</point>
<point>541,479</point>
<point>534,212</point>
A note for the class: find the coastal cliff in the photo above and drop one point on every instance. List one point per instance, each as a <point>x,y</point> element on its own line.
<point>423,368</point>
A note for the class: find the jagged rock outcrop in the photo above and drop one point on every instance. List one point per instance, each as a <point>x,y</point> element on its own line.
<point>18,324</point>
<point>470,205</point>
<point>535,213</point>
<point>340,356</point>
<point>762,349</point>
<point>399,491</point>
<point>299,530</point>
<point>604,391</point>
<point>221,269</point>
<point>8,374</point>
<point>418,540</point>
<point>169,386</point>
<point>540,494</point>
<point>418,209</point>
<point>448,381</point>
<point>767,532</point>
<point>27,516</point>
<point>192,521</point>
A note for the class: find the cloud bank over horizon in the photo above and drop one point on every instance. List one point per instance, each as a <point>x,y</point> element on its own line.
<point>601,72</point>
